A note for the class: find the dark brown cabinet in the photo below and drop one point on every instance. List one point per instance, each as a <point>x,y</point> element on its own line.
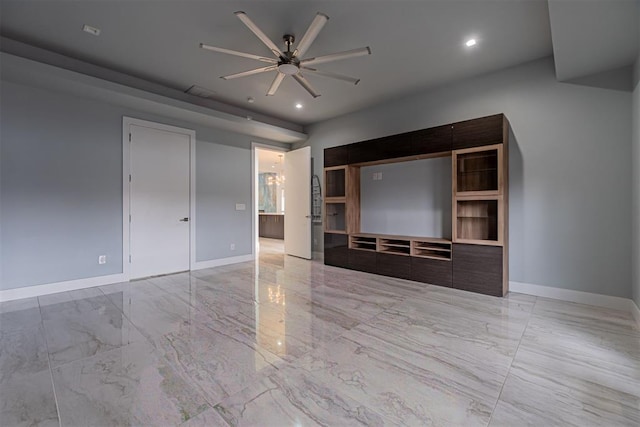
<point>476,259</point>
<point>336,251</point>
<point>477,132</point>
<point>433,271</point>
<point>432,140</point>
<point>271,226</point>
<point>363,261</point>
<point>394,265</point>
<point>478,268</point>
<point>336,156</point>
<point>388,147</point>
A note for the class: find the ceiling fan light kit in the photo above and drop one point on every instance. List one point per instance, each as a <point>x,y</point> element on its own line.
<point>288,63</point>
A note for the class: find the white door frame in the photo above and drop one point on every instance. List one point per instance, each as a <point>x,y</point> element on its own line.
<point>126,171</point>
<point>254,190</point>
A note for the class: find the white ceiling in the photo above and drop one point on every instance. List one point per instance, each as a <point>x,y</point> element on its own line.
<point>415,44</point>
<point>591,37</point>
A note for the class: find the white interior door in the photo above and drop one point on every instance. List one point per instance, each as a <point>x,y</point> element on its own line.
<point>159,201</point>
<point>297,195</point>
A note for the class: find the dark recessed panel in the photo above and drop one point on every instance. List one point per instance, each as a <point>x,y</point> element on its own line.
<point>336,250</point>
<point>432,271</point>
<point>362,261</point>
<point>478,268</point>
<point>432,140</point>
<point>394,265</point>
<point>336,156</point>
<point>478,132</point>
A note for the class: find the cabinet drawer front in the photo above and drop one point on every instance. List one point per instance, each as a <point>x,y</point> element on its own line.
<point>478,268</point>
<point>432,271</point>
<point>394,265</point>
<point>362,261</point>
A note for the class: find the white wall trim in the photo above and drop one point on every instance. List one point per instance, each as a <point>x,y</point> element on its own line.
<point>126,170</point>
<point>200,265</point>
<point>54,288</point>
<point>607,301</point>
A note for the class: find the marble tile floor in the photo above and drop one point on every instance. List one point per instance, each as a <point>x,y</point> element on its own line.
<point>289,342</point>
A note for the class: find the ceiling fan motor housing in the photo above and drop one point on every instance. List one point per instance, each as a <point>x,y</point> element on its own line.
<point>288,63</point>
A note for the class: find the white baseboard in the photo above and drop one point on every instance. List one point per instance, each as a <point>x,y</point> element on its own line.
<point>607,301</point>
<point>200,265</point>
<point>54,288</point>
<point>635,310</point>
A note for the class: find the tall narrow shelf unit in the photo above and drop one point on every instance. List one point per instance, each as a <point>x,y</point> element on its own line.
<point>476,259</point>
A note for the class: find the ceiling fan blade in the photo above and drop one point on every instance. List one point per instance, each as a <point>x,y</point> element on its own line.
<point>337,56</point>
<point>236,53</point>
<point>258,32</point>
<point>305,84</point>
<point>276,84</point>
<point>332,75</point>
<point>312,32</point>
<point>250,72</point>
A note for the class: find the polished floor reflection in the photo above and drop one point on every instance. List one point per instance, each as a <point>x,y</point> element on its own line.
<point>289,342</point>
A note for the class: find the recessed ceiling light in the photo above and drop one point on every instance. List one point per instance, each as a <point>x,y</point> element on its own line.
<point>91,30</point>
<point>250,100</point>
<point>298,106</point>
<point>471,42</point>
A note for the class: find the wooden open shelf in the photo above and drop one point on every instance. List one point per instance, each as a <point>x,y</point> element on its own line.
<point>422,247</point>
<point>478,221</point>
<point>335,217</point>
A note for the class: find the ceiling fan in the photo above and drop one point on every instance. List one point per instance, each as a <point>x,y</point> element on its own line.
<point>288,63</point>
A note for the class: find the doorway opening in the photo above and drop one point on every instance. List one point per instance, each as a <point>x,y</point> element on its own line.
<point>271,201</point>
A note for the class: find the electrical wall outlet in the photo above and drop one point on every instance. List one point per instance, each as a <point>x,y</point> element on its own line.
<point>102,259</point>
<point>233,247</point>
<point>377,176</point>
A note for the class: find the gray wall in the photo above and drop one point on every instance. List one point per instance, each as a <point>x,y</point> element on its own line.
<point>570,168</point>
<point>61,187</point>
<point>224,179</point>
<point>413,198</point>
<point>635,158</point>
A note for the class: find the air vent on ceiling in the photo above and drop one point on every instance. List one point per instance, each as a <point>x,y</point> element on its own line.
<point>200,91</point>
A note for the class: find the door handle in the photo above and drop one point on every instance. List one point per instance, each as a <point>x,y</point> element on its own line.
<point>307,216</point>
<point>184,220</point>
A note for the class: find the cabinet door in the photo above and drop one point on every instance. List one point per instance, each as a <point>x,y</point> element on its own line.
<point>474,133</point>
<point>335,156</point>
<point>336,250</point>
<point>362,261</point>
<point>394,265</point>
<point>433,271</point>
<point>388,147</point>
<point>432,140</point>
<point>478,268</point>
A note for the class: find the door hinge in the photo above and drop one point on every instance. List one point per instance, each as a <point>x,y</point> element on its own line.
<point>129,259</point>
<point>129,177</point>
<point>129,218</point>
<point>129,136</point>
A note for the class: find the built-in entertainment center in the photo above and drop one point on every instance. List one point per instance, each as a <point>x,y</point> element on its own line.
<point>475,258</point>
